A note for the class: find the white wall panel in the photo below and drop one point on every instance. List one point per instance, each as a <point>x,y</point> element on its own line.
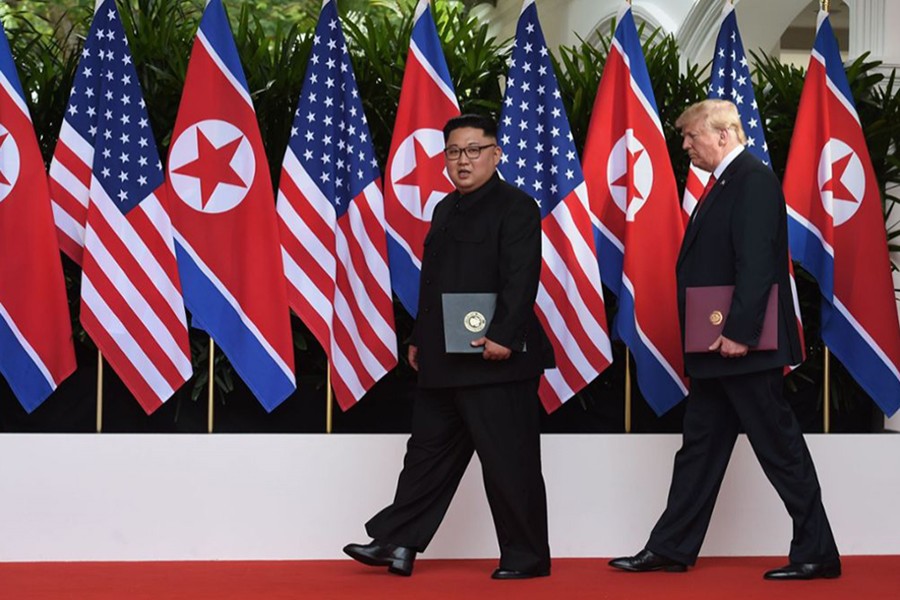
<point>196,497</point>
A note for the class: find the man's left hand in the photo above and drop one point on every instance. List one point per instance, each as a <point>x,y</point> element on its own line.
<point>729,348</point>
<point>492,350</point>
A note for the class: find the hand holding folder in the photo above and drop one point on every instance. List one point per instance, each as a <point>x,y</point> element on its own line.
<point>706,309</point>
<point>466,318</point>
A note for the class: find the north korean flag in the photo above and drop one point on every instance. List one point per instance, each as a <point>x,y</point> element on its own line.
<point>36,351</point>
<point>637,216</point>
<point>223,210</point>
<point>836,226</point>
<point>416,178</point>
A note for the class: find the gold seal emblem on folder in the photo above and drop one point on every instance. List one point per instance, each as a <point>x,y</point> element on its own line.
<point>715,317</point>
<point>467,317</point>
<point>474,321</point>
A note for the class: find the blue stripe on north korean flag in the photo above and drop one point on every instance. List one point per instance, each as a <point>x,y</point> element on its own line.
<point>245,347</point>
<point>812,251</point>
<point>660,385</point>
<point>862,356</point>
<point>8,71</point>
<point>404,275</point>
<point>826,46</point>
<point>20,369</point>
<point>215,28</point>
<point>425,38</point>
<point>629,41</point>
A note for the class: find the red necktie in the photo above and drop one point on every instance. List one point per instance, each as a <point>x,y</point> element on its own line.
<point>709,186</point>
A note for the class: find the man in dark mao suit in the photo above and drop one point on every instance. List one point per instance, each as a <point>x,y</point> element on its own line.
<point>737,236</point>
<point>484,237</point>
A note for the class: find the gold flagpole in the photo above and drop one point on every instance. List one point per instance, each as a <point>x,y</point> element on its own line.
<point>99,391</point>
<point>628,373</point>
<point>212,384</point>
<point>826,400</point>
<point>627,390</point>
<point>329,403</point>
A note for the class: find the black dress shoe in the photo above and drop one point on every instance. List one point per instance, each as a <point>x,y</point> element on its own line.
<point>646,560</point>
<point>398,559</point>
<point>502,573</point>
<point>825,570</point>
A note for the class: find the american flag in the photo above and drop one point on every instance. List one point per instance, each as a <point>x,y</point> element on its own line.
<point>730,80</point>
<point>331,214</point>
<point>539,157</point>
<point>111,215</point>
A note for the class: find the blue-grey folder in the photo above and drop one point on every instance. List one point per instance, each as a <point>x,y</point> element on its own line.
<point>466,318</point>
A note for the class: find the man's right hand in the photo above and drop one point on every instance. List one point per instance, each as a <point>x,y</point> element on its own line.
<point>729,348</point>
<point>412,356</point>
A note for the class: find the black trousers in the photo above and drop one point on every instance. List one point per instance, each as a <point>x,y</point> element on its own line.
<point>501,423</point>
<point>716,411</point>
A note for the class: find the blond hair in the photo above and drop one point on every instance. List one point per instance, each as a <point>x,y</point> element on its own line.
<point>718,115</point>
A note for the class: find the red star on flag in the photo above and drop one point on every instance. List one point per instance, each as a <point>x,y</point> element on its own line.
<point>212,166</point>
<point>626,180</point>
<point>428,175</point>
<point>835,185</point>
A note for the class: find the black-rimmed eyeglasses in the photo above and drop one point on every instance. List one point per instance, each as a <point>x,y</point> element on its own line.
<point>472,152</point>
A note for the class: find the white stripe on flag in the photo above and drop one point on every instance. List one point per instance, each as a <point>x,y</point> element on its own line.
<point>110,323</point>
<point>119,279</point>
<point>67,225</point>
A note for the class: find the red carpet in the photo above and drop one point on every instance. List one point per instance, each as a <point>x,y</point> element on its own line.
<point>865,578</point>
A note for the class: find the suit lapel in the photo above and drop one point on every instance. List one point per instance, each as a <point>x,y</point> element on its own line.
<point>696,222</point>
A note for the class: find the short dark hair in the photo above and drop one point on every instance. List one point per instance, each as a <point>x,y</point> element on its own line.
<point>482,122</point>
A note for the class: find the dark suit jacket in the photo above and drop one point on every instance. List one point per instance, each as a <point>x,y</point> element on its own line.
<point>485,241</point>
<point>739,237</point>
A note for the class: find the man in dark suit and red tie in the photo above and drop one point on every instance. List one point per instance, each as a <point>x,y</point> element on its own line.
<point>737,236</point>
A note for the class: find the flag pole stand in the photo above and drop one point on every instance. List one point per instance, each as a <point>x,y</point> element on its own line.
<point>627,390</point>
<point>329,403</point>
<point>99,391</point>
<point>212,385</point>
<point>826,399</point>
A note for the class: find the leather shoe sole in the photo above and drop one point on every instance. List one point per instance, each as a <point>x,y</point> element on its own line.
<point>512,574</point>
<point>803,571</point>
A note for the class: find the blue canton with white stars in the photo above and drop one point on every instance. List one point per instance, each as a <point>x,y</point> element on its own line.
<point>330,136</point>
<point>107,109</point>
<point>731,80</point>
<point>539,155</point>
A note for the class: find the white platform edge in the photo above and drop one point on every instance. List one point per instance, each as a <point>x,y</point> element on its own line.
<point>276,497</point>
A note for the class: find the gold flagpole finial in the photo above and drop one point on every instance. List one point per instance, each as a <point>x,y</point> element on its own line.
<point>825,5</point>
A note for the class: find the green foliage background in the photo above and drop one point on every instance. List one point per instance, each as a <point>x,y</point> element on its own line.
<point>274,39</point>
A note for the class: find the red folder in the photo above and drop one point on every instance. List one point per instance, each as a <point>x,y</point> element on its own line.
<point>706,309</point>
